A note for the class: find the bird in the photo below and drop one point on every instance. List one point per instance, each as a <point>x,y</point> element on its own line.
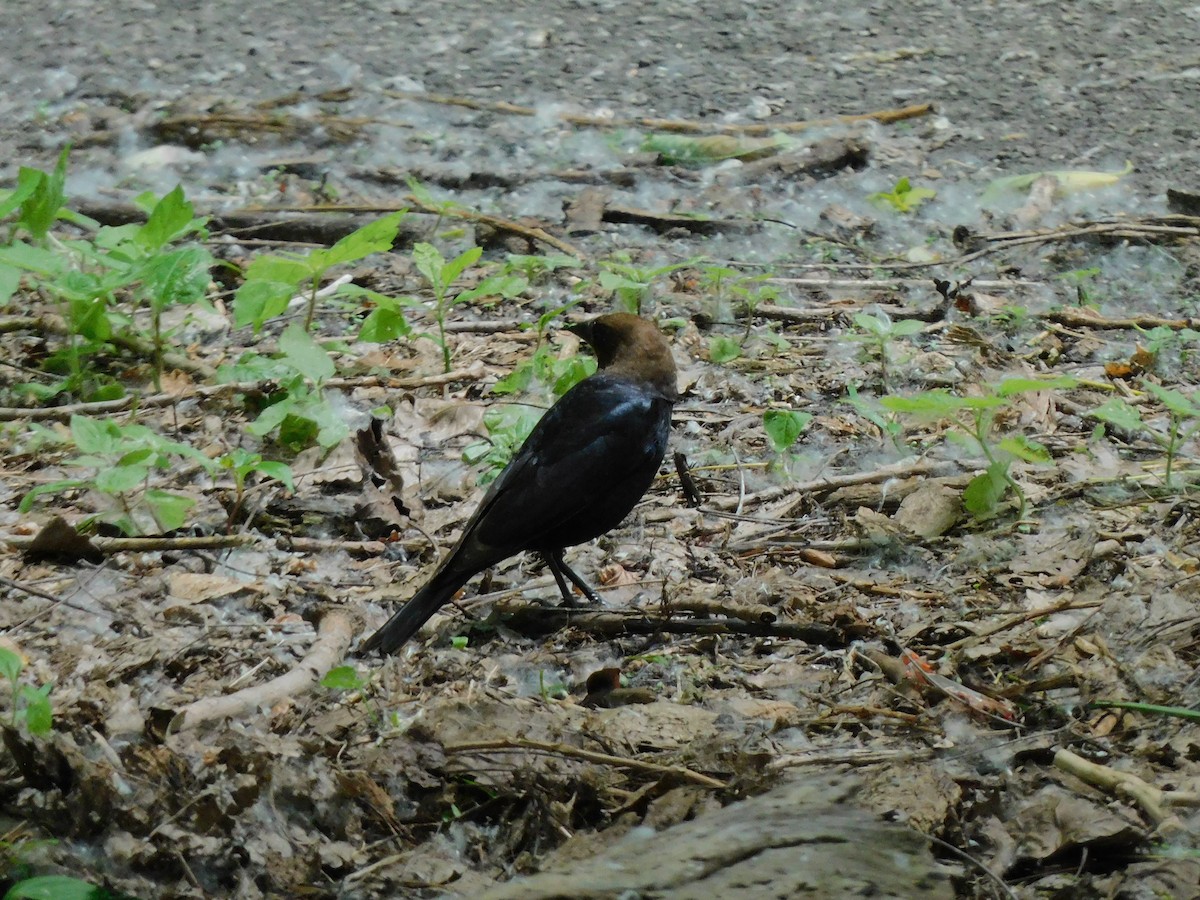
<point>585,465</point>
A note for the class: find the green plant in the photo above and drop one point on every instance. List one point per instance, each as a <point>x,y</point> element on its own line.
<point>122,459</point>
<point>274,278</point>
<point>1163,339</point>
<point>533,267</point>
<point>508,425</point>
<point>1183,421</point>
<point>630,284</point>
<point>441,275</point>
<point>983,493</point>
<point>783,428</point>
<point>870,409</point>
<point>879,332</point>
<point>297,411</point>
<point>546,367</point>
<point>101,282</point>
<point>903,198</point>
<point>241,464</point>
<point>722,349</point>
<point>30,705</point>
<point>57,887</point>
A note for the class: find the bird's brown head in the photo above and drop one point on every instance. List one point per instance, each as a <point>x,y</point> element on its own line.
<point>631,347</point>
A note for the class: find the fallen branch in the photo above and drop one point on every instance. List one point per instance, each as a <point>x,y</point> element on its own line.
<point>680,126</point>
<point>514,745</point>
<point>157,401</point>
<point>535,619</point>
<point>1150,799</point>
<point>904,469</point>
<point>334,633</point>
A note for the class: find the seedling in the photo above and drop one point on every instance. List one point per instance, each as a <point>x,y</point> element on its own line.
<point>242,464</point>
<point>783,428</point>
<point>273,279</point>
<point>630,284</point>
<point>1183,421</point>
<point>123,459</point>
<point>30,705</point>
<point>879,332</point>
<point>441,276</point>
<point>903,198</point>
<point>984,492</point>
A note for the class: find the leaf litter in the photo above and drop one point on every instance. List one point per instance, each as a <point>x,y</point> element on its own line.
<point>840,644</point>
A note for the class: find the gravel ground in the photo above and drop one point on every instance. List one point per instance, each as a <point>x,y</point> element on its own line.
<point>1027,84</point>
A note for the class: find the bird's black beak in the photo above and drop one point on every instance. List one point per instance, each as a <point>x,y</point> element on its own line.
<point>582,330</point>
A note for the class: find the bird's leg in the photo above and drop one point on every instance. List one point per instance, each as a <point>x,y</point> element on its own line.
<point>554,559</point>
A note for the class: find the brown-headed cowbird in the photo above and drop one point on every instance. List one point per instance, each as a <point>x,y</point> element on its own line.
<point>584,466</point>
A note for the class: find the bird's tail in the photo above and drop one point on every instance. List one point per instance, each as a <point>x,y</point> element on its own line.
<point>408,620</point>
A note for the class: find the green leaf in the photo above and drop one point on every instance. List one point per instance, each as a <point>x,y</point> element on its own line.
<point>982,495</point>
<point>41,206</point>
<point>95,435</point>
<point>374,237</point>
<point>27,181</point>
<point>38,260</point>
<point>905,327</point>
<point>903,198</point>
<point>171,218</point>
<point>343,678</point>
<point>571,372</point>
<point>10,280</point>
<point>935,403</point>
<point>429,262</point>
<point>291,269</point>
<point>258,301</point>
<point>305,354</point>
<point>516,381</point>
<point>169,510</point>
<point>10,664</point>
<point>38,712</point>
<point>1175,402</point>
<point>54,487</point>
<point>384,324</point>
<point>507,286</point>
<point>1026,449</point>
<point>877,325</point>
<point>1011,386</point>
<point>723,349</point>
<point>281,472</point>
<point>298,431</point>
<point>455,267</point>
<point>272,417</point>
<point>783,427</point>
<point>179,277</point>
<point>53,887</point>
<point>121,479</point>
<point>1119,413</point>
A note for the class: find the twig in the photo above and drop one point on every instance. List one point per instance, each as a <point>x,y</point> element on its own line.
<point>900,470</point>
<point>449,211</point>
<point>334,633</point>
<point>536,619</point>
<point>156,401</point>
<point>680,126</point>
<point>209,542</point>
<point>1021,618</point>
<point>1123,784</point>
<point>512,745</point>
<point>854,756</point>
